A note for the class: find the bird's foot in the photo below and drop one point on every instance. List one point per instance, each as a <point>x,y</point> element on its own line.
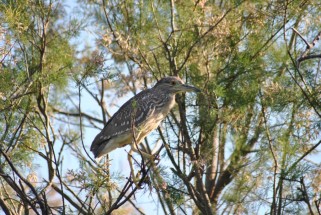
<point>136,180</point>
<point>155,159</point>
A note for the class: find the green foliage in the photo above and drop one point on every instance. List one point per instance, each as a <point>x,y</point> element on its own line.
<point>35,56</point>
<point>242,65</point>
<point>234,148</point>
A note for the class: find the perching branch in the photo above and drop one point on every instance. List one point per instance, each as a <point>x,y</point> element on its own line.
<point>304,56</point>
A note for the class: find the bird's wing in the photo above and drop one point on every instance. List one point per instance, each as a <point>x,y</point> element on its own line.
<point>137,108</point>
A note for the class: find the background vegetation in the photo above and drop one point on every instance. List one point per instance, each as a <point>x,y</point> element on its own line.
<point>248,144</point>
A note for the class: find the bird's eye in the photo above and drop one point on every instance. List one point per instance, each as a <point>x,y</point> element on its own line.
<point>173,83</point>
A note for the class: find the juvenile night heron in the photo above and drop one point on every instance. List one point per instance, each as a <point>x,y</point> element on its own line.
<point>138,117</point>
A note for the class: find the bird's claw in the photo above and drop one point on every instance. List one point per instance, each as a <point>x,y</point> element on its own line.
<point>156,158</point>
<point>136,180</point>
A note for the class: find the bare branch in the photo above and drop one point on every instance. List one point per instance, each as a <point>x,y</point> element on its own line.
<point>74,114</point>
<point>309,46</point>
<point>301,59</point>
<point>69,199</point>
<point>304,56</point>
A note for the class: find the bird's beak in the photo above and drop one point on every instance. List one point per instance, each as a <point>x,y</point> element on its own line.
<point>188,88</point>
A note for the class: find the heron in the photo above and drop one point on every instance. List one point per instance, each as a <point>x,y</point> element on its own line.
<point>139,116</point>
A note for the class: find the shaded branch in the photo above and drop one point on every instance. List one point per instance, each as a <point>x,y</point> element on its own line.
<point>65,196</point>
<point>74,114</point>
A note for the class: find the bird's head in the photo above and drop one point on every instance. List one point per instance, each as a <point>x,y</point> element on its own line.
<point>174,84</point>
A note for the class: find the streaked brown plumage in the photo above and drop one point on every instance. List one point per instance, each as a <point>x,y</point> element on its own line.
<point>142,113</point>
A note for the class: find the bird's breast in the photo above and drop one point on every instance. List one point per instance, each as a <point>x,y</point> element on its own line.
<point>159,114</point>
<point>156,117</point>
<point>169,104</point>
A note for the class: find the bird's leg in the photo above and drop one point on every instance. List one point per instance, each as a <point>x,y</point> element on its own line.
<point>157,147</point>
<point>132,172</point>
<point>151,157</point>
<point>143,154</point>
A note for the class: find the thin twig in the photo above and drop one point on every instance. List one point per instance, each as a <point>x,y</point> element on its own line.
<point>305,194</point>
<point>273,210</point>
<point>80,125</point>
<point>304,40</point>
